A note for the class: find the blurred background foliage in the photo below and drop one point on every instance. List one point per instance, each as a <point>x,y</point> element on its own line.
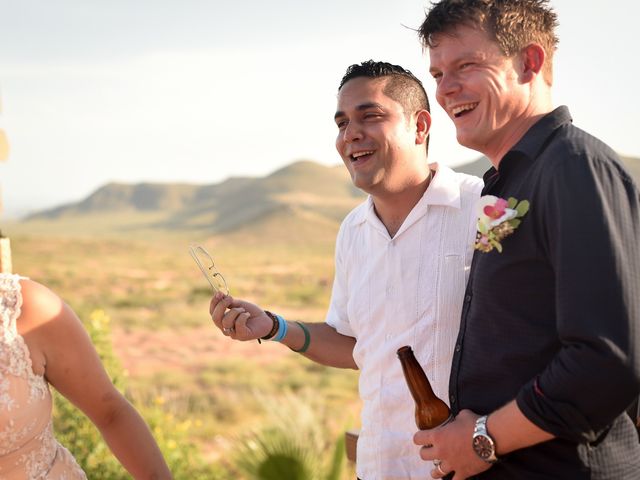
<point>206,399</point>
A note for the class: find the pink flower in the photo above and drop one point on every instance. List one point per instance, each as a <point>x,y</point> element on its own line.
<point>497,219</point>
<point>497,210</point>
<point>492,211</point>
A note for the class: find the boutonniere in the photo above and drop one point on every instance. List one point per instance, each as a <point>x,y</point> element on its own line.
<point>497,219</point>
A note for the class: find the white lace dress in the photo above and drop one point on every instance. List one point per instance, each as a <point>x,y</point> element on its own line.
<point>28,449</point>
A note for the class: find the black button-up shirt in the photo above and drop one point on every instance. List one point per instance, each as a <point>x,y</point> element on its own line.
<point>554,320</point>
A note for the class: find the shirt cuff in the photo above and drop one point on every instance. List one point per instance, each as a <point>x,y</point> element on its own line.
<point>559,418</point>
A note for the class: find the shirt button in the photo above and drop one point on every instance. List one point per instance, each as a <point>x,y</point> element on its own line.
<point>467,298</point>
<point>389,336</point>
<point>389,290</point>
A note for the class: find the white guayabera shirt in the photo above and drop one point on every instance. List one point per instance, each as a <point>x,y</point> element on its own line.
<point>407,290</point>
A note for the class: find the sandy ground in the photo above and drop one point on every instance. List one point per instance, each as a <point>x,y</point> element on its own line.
<point>144,352</point>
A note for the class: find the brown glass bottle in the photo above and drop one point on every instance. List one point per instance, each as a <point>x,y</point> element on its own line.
<point>430,410</point>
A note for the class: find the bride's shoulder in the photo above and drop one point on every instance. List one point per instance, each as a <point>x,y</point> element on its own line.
<point>40,305</point>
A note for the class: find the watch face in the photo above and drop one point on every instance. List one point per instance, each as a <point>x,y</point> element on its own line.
<point>483,446</point>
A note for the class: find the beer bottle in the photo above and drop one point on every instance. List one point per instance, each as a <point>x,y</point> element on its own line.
<point>430,410</point>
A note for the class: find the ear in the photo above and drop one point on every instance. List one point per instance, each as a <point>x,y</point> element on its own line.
<point>423,126</point>
<point>533,58</point>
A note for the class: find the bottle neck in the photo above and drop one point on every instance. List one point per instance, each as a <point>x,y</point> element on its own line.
<point>417,381</point>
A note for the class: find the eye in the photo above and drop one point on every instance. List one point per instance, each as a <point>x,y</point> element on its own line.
<point>372,115</point>
<point>436,76</point>
<point>341,124</point>
<point>464,66</point>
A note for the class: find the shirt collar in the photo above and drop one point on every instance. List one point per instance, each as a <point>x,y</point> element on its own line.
<point>536,137</point>
<point>443,190</point>
<point>529,146</point>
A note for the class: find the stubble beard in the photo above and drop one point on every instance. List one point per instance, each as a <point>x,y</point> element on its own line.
<point>368,182</point>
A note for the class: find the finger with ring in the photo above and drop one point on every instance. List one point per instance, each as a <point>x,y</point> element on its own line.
<point>229,320</point>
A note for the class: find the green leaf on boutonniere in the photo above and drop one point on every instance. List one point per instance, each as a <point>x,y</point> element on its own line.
<point>483,228</point>
<point>514,222</point>
<point>511,203</point>
<point>522,208</point>
<point>496,245</point>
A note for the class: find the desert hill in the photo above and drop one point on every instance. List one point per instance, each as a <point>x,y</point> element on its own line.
<point>633,165</point>
<point>301,194</point>
<point>304,199</point>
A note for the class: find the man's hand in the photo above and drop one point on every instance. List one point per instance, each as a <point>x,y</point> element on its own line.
<point>450,447</point>
<point>244,321</point>
<point>238,319</point>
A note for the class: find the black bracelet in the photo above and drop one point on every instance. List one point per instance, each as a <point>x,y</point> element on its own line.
<point>274,328</point>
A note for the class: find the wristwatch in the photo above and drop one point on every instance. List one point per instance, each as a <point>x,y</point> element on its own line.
<point>483,444</point>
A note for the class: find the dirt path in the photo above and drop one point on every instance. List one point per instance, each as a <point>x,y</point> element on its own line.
<point>143,353</point>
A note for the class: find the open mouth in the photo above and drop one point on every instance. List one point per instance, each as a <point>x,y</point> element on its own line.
<point>462,110</point>
<point>361,155</point>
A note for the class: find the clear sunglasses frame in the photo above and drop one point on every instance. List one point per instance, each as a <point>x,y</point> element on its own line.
<point>208,268</point>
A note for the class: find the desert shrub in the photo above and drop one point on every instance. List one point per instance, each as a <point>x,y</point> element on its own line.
<point>294,444</point>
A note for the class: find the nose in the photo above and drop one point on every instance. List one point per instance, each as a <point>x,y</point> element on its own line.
<point>352,132</point>
<point>448,85</point>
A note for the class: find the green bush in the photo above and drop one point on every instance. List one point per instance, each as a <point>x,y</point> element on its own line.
<point>293,445</point>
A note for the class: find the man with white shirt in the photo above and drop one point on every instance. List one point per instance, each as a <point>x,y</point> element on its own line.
<point>402,258</point>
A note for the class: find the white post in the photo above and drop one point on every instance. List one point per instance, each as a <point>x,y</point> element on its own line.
<point>5,245</point>
<point>4,142</point>
<point>5,255</point>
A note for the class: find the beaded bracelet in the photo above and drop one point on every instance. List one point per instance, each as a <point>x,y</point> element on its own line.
<point>274,327</point>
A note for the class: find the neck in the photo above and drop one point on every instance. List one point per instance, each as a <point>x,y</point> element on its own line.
<point>539,106</point>
<point>393,208</point>
<point>518,131</point>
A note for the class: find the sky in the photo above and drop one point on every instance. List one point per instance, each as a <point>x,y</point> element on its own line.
<point>200,90</point>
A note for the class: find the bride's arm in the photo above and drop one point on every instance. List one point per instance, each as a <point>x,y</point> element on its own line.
<point>72,366</point>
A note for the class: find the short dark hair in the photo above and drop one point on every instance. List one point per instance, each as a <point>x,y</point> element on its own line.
<point>513,24</point>
<point>402,86</point>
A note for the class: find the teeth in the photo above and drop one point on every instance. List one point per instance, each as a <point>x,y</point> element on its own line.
<point>462,108</point>
<point>360,154</point>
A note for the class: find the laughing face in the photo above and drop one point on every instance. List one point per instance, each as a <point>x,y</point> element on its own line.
<point>480,89</point>
<point>376,139</point>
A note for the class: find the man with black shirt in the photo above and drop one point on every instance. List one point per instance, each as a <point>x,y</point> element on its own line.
<point>546,360</point>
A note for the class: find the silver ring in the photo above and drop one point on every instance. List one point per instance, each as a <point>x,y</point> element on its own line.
<point>436,462</point>
<point>228,330</point>
<point>439,468</point>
